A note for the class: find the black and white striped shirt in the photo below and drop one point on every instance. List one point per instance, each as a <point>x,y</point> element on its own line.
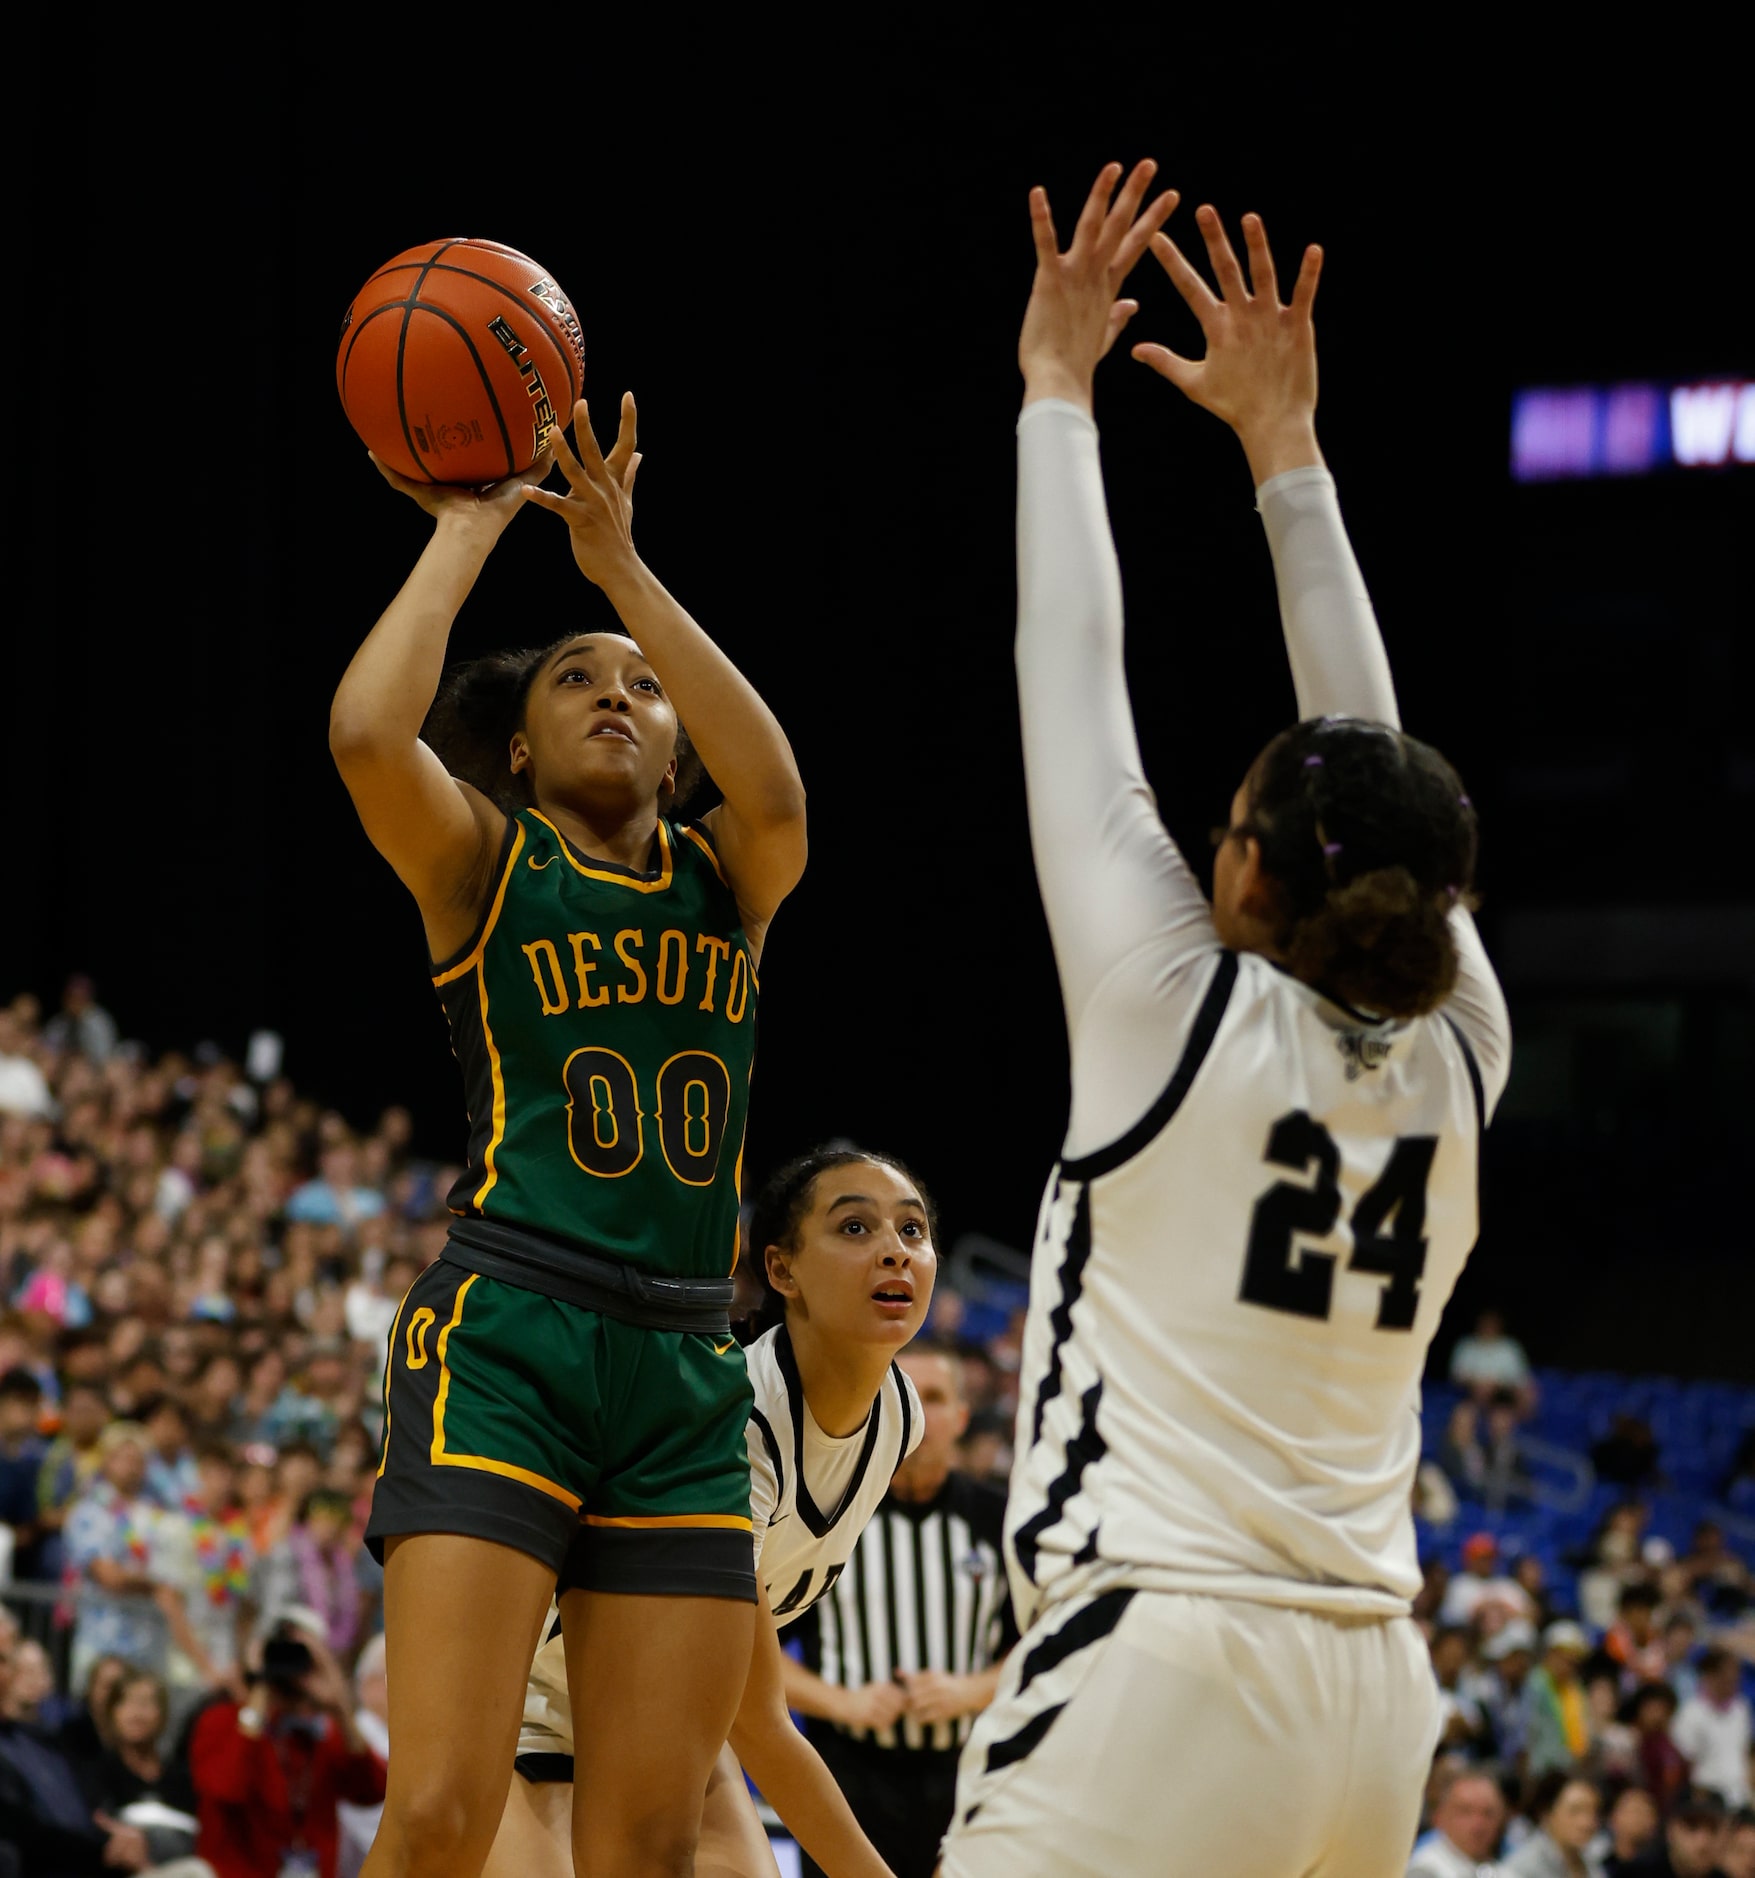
<point>925,1589</point>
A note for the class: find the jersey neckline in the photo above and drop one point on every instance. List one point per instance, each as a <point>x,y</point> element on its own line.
<point>647,879</point>
<point>819,1524</point>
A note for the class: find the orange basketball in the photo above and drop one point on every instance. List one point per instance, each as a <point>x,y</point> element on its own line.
<point>457,359</point>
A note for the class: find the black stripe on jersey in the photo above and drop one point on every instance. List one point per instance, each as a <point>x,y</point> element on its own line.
<point>1158,1116</point>
<point>1072,1282</point>
<point>818,1523</point>
<point>765,1430</point>
<point>1028,1738</point>
<point>1475,1082</point>
<point>1085,1449</point>
<point>901,1383</point>
<point>1093,1623</point>
<point>441,966</point>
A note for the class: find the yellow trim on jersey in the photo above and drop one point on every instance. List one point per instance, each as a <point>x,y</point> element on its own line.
<point>498,1133</point>
<point>389,1365</point>
<point>706,847</point>
<point>475,951</point>
<point>721,1522</point>
<point>480,1462</point>
<point>666,866</point>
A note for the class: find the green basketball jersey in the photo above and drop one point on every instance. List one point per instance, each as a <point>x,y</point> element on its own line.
<point>605,1021</point>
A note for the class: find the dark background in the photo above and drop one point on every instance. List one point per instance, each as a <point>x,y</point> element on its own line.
<point>807,252</point>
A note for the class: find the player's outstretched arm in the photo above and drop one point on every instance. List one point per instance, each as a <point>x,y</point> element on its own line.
<point>1114,887</point>
<point>760,827</point>
<point>1258,375</point>
<point>439,834</point>
<point>790,1772</point>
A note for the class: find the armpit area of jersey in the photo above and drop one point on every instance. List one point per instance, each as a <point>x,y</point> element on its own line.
<point>559,1268</point>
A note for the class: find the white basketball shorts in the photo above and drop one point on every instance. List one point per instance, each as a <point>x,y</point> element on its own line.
<point>1146,1734</point>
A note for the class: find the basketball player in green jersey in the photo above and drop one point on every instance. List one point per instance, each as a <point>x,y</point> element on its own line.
<point>565,1406</point>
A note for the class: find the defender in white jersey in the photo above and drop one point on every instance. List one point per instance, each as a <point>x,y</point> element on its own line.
<point>850,1262</point>
<point>1269,1182</point>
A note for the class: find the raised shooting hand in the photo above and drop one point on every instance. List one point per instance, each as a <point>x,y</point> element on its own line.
<point>1074,316</point>
<point>599,505</point>
<point>1259,372</point>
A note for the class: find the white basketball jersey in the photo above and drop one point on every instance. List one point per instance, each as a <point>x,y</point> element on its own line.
<point>810,1498</point>
<point>1230,1310</point>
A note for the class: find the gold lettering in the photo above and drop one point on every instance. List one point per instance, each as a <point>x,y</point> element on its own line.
<point>541,952</point>
<point>715,949</point>
<point>584,967</point>
<point>681,950</point>
<point>622,994</point>
<point>738,994</point>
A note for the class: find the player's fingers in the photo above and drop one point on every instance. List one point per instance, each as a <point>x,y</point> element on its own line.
<point>1185,278</point>
<point>1127,204</point>
<point>585,442</point>
<point>625,437</point>
<point>1096,206</point>
<point>634,463</point>
<point>547,499</point>
<point>1222,255</point>
<point>1119,314</point>
<point>571,468</point>
<point>1304,288</point>
<point>1262,278</point>
<point>1181,372</point>
<point>1042,229</point>
<point>1139,237</point>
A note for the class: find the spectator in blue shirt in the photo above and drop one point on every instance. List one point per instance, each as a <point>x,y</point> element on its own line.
<point>110,1536</point>
<point>22,1451</point>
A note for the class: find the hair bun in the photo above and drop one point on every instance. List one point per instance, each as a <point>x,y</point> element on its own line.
<point>1379,941</point>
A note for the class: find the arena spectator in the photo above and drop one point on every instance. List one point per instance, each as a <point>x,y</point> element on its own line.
<point>1737,1858</point>
<point>132,1771</point>
<point>204,1564</point>
<point>1660,1766</point>
<point>82,1025</point>
<point>1557,1715</point>
<point>271,1773</point>
<point>32,1696</point>
<point>1489,1360</point>
<point>1713,1572</point>
<point>1634,1640</point>
<point>1508,1656</point>
<point>81,1736</point>
<point>1712,1728</point>
<point>313,1568</point>
<point>1462,1720</point>
<point>1467,1824</point>
<point>336,1197</point>
<point>172,1480</point>
<point>1689,1848</point>
<point>1613,1559</point>
<point>24,1089</point>
<point>1565,1810</point>
<point>1632,1832</point>
<point>68,1464</point>
<point>44,1817</point>
<point>110,1534</point>
<point>1482,1587</point>
<point>22,1452</point>
<point>213,1402</point>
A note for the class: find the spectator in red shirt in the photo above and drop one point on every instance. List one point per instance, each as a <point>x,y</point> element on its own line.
<point>1663,1769</point>
<point>269,1773</point>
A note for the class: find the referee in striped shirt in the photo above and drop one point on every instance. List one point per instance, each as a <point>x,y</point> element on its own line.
<point>905,1648</point>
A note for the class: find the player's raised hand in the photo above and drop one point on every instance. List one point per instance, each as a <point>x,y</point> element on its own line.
<point>599,505</point>
<point>1074,316</point>
<point>1259,372</point>
<point>489,509</point>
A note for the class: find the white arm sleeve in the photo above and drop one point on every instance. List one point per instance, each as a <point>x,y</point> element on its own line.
<point>1339,667</point>
<point>1129,922</point>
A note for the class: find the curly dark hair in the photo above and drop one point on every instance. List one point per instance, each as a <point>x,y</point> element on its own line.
<point>1369,840</point>
<point>785,1198</point>
<point>481,703</point>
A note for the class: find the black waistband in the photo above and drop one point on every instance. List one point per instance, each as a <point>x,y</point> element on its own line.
<point>535,1261</point>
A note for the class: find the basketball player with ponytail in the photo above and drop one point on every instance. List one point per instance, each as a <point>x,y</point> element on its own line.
<point>565,1404</point>
<point>1269,1181</point>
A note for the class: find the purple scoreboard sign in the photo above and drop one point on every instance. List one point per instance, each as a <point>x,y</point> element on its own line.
<point>1559,433</point>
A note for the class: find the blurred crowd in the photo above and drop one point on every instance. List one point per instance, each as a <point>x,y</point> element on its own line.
<point>198,1271</point>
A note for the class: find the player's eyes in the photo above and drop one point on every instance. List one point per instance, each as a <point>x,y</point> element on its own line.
<point>914,1227</point>
<point>570,674</point>
<point>651,685</point>
<point>852,1226</point>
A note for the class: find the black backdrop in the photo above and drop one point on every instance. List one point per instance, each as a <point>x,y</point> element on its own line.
<point>807,252</point>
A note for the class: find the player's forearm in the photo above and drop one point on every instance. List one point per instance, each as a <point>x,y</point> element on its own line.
<point>794,1781</point>
<point>389,686</point>
<point>734,733</point>
<point>1339,665</point>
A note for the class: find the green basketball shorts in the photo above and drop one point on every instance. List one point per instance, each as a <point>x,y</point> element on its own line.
<point>591,1444</point>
